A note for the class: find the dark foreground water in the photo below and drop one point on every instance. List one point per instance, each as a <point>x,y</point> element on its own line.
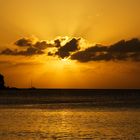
<point>92,123</point>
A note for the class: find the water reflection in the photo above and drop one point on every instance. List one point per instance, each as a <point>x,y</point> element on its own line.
<point>67,124</point>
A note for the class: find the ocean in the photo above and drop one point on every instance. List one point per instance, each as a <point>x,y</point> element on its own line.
<point>68,122</point>
<point>69,114</point>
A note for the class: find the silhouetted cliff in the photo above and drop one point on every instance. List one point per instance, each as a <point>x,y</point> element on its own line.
<point>2,83</point>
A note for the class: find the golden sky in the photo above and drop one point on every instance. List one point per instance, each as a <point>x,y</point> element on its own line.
<point>26,25</point>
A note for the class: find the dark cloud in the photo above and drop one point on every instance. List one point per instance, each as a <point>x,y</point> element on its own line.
<point>132,45</point>
<point>31,51</point>
<point>122,50</point>
<point>97,48</point>
<point>8,52</point>
<point>57,43</point>
<point>39,47</point>
<point>71,46</point>
<point>31,48</point>
<point>86,56</point>
<point>28,52</point>
<point>62,54</point>
<point>29,43</point>
<point>24,42</point>
<point>42,45</point>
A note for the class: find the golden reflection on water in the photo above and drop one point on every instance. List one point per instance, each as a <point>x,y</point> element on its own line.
<point>67,124</point>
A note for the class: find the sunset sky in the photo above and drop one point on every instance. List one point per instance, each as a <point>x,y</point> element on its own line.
<point>70,43</point>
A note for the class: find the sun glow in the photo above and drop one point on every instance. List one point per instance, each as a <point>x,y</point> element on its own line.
<point>66,60</point>
<point>65,63</point>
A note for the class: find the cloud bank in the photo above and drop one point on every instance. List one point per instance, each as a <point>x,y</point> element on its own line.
<point>29,47</point>
<point>120,51</point>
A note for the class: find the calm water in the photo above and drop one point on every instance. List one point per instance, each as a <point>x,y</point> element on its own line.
<point>69,124</point>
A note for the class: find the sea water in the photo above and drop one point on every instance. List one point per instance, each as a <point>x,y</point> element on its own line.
<point>91,123</point>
